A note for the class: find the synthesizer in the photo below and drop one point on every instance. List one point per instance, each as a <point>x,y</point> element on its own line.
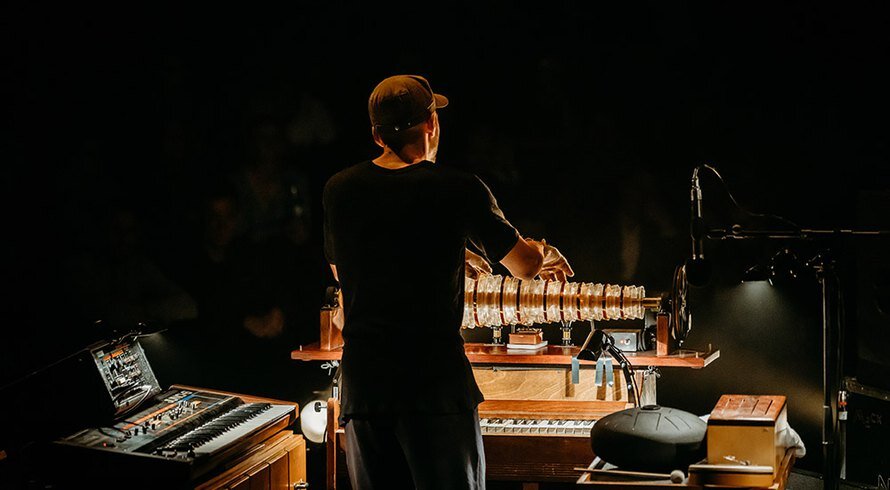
<point>182,434</point>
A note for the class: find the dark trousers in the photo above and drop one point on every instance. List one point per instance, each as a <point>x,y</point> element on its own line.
<point>423,451</point>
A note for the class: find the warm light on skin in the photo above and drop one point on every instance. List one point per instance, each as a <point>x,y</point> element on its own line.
<point>432,140</point>
<point>412,153</point>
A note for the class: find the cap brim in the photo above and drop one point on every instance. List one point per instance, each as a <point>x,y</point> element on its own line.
<point>441,101</point>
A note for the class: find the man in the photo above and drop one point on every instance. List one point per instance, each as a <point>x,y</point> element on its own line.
<point>396,230</point>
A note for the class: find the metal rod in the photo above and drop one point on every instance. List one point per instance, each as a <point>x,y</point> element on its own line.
<point>737,232</point>
<point>828,462</point>
<point>623,473</point>
<point>651,303</point>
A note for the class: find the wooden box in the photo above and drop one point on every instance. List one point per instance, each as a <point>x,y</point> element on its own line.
<point>331,337</point>
<point>746,430</point>
<point>527,337</point>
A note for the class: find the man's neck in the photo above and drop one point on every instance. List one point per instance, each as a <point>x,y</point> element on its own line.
<point>392,160</point>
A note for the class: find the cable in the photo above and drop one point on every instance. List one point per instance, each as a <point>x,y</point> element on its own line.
<point>126,400</point>
<point>736,203</point>
<point>102,431</point>
<point>627,368</point>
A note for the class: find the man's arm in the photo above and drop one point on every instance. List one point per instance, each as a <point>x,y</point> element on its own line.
<point>529,258</point>
<point>491,233</point>
<point>525,259</point>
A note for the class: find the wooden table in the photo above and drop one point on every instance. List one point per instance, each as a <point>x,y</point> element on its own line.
<point>551,355</point>
<point>534,385</point>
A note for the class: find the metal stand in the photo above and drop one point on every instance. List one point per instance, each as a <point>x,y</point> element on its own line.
<point>824,270</point>
<point>823,267</point>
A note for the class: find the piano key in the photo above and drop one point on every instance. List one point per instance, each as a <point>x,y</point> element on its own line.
<point>536,427</point>
<point>259,419</point>
<point>550,427</point>
<point>225,429</point>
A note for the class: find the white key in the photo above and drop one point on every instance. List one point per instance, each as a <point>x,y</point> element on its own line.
<point>571,426</point>
<point>552,426</point>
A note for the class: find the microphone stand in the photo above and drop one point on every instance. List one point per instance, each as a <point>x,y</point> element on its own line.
<point>825,274</point>
<point>823,267</point>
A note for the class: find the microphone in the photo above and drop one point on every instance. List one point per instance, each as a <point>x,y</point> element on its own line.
<point>698,270</point>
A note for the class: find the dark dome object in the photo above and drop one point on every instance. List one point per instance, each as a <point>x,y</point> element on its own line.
<point>649,438</point>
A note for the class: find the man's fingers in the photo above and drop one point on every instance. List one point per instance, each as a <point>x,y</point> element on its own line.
<point>559,275</point>
<point>553,274</point>
<point>564,266</point>
<point>474,272</point>
<point>568,269</point>
<point>556,267</point>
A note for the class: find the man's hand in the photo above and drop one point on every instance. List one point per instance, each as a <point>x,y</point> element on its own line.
<point>476,266</point>
<point>556,267</point>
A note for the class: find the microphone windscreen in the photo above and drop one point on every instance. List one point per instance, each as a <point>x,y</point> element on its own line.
<point>698,272</point>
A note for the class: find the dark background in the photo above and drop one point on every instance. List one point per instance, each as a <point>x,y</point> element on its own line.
<point>124,128</point>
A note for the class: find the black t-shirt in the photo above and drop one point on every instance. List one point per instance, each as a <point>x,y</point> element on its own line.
<point>398,239</point>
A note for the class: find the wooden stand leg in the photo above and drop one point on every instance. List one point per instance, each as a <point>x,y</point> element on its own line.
<point>332,442</point>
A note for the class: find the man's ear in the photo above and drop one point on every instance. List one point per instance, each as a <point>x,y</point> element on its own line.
<point>430,125</point>
<point>377,138</point>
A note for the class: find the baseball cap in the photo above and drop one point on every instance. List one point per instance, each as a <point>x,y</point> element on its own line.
<point>402,101</point>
